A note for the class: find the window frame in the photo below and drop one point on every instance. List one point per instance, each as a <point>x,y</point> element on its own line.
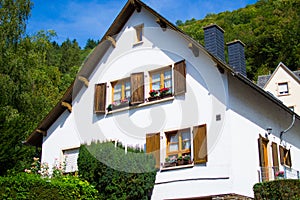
<point>285,156</point>
<point>180,151</point>
<point>122,82</point>
<point>161,72</point>
<point>69,166</point>
<point>139,33</point>
<point>284,92</point>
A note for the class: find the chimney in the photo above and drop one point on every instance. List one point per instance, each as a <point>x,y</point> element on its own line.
<point>236,56</point>
<point>214,40</point>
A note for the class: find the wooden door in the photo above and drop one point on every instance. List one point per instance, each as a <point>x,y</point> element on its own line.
<point>263,158</point>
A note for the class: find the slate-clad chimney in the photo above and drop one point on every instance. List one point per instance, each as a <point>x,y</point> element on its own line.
<point>236,56</point>
<point>214,40</point>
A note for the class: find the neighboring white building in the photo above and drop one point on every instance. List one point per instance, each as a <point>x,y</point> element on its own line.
<point>214,114</point>
<point>283,84</point>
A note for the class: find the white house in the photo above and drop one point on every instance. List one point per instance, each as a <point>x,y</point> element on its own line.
<point>235,133</point>
<point>283,84</point>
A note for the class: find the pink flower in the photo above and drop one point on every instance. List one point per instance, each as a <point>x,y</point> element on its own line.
<point>279,173</point>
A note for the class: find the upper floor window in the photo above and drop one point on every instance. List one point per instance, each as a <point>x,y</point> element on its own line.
<point>165,82</point>
<point>121,91</point>
<point>161,80</point>
<point>139,30</point>
<point>283,88</point>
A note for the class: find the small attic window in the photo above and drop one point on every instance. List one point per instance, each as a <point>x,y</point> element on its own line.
<point>283,88</point>
<point>139,29</point>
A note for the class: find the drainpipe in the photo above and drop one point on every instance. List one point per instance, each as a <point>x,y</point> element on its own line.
<point>286,130</point>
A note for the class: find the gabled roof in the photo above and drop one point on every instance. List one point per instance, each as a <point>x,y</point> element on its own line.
<point>263,80</point>
<point>36,137</point>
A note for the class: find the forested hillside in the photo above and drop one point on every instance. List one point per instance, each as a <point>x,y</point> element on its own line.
<point>34,74</point>
<point>270,29</point>
<point>35,71</point>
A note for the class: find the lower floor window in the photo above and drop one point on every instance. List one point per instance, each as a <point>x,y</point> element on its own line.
<point>70,159</point>
<point>183,146</point>
<point>285,156</point>
<point>178,144</point>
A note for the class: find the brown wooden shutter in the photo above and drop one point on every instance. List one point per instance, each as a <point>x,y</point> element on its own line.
<point>137,88</point>
<point>281,153</point>
<point>275,155</point>
<point>153,147</point>
<point>200,144</point>
<point>288,158</point>
<point>100,98</point>
<point>261,152</point>
<point>179,78</point>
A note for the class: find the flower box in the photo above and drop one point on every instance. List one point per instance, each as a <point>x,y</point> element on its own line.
<point>166,95</point>
<point>153,98</point>
<point>121,105</point>
<point>116,106</point>
<point>169,164</point>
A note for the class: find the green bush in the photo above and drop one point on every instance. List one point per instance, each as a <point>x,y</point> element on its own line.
<point>32,186</point>
<point>278,189</point>
<point>115,174</point>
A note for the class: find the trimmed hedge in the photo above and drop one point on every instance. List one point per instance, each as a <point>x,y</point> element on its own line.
<point>119,175</point>
<point>31,186</point>
<point>277,189</point>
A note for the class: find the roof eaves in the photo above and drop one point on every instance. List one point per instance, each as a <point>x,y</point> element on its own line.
<point>266,94</point>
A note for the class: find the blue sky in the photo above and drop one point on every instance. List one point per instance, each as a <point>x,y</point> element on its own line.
<point>84,19</point>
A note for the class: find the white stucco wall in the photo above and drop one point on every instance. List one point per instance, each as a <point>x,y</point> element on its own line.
<point>250,115</point>
<point>232,142</point>
<point>62,135</point>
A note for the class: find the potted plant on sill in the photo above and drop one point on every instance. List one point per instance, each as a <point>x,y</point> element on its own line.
<point>187,159</point>
<point>118,104</point>
<point>153,95</point>
<point>180,160</point>
<point>165,92</point>
<point>109,107</point>
<point>170,162</point>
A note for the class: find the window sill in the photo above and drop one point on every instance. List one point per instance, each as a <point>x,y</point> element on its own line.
<point>286,94</point>
<point>148,103</point>
<point>177,167</point>
<point>138,43</point>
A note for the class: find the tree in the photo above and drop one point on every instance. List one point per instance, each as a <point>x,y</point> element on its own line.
<point>90,44</point>
<point>14,14</point>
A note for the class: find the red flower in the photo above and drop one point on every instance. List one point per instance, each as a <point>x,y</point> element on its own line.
<point>153,93</point>
<point>164,90</point>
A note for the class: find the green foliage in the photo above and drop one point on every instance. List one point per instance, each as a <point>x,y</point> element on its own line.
<point>31,186</point>
<point>278,189</point>
<point>269,29</point>
<point>103,165</point>
<point>34,74</point>
<point>91,44</point>
<point>14,15</point>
